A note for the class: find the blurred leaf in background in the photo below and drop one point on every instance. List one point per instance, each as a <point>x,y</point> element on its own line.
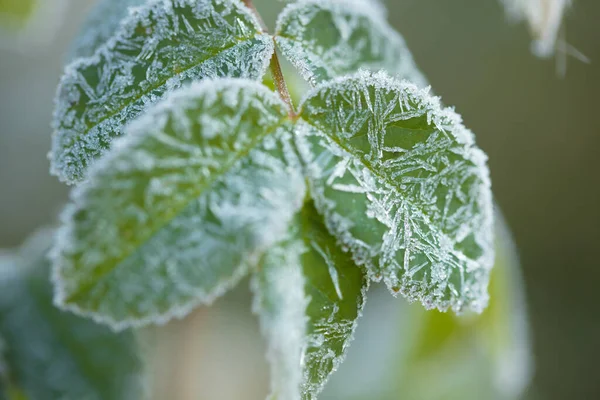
<point>428,355</point>
<point>50,354</point>
<point>25,25</point>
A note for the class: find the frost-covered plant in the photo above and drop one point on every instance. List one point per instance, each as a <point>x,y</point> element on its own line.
<point>191,174</point>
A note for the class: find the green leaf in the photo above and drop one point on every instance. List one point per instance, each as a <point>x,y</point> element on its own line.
<point>403,351</point>
<point>100,25</point>
<point>180,207</point>
<point>51,354</point>
<point>309,295</point>
<point>403,185</point>
<point>157,48</point>
<point>325,39</point>
<point>486,355</point>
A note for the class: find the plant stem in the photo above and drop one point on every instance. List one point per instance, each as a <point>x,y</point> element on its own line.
<point>275,66</point>
<point>281,85</point>
<point>249,4</point>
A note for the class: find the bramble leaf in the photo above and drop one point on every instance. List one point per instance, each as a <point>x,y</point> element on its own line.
<point>156,49</point>
<point>100,25</point>
<point>325,39</point>
<point>492,349</point>
<point>403,185</point>
<point>180,207</point>
<point>309,295</point>
<point>51,354</point>
<point>402,348</point>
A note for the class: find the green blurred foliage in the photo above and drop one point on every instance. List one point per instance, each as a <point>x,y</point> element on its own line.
<point>17,12</point>
<point>52,354</point>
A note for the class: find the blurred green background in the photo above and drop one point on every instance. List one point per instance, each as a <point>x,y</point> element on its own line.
<point>541,132</point>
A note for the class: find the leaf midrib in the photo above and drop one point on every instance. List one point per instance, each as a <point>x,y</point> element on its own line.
<point>103,272</point>
<point>163,82</point>
<point>383,177</point>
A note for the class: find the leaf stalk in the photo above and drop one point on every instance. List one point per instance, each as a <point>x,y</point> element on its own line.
<point>275,66</point>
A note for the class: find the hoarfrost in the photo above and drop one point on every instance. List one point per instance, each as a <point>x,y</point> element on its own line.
<point>326,39</point>
<point>158,48</point>
<point>100,25</point>
<point>308,295</point>
<point>421,218</point>
<point>172,217</point>
<point>281,304</point>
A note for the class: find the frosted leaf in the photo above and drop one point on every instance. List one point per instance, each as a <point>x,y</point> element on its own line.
<point>487,354</point>
<point>402,185</point>
<point>329,38</point>
<point>53,354</point>
<point>180,207</point>
<point>100,25</point>
<point>157,48</point>
<point>309,295</point>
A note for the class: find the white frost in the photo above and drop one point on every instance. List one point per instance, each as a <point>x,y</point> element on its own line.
<point>281,304</point>
<point>145,241</point>
<point>158,48</point>
<point>100,25</point>
<point>358,36</point>
<point>420,219</point>
<point>309,296</point>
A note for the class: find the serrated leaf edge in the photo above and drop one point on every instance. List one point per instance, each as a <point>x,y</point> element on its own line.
<point>66,229</point>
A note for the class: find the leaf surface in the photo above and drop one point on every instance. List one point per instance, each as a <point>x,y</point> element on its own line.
<point>325,39</point>
<point>157,48</point>
<point>492,349</point>
<point>51,354</point>
<point>100,25</point>
<point>403,185</point>
<point>309,295</point>
<point>182,205</point>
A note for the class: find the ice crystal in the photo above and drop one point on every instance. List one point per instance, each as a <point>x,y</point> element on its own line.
<point>158,48</point>
<point>308,296</point>
<point>102,23</point>
<point>326,39</point>
<point>403,186</point>
<point>180,207</point>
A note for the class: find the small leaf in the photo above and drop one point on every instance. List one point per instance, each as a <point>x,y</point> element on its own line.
<point>156,49</point>
<point>403,185</point>
<point>180,207</point>
<point>100,25</point>
<point>325,39</point>
<point>492,349</point>
<point>401,348</point>
<point>309,295</point>
<point>51,354</point>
